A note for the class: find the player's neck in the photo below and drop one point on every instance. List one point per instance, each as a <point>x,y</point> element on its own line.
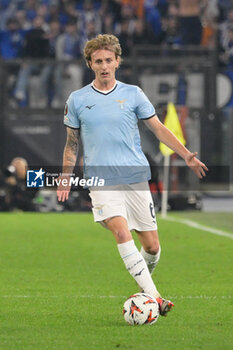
<point>105,86</point>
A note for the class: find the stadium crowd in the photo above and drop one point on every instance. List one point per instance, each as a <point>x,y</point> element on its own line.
<point>58,30</point>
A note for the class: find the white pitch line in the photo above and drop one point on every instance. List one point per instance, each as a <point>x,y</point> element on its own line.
<point>62,296</point>
<point>113,296</point>
<point>194,224</point>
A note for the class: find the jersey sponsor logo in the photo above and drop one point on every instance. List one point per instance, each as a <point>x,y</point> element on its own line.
<point>89,107</point>
<point>121,103</point>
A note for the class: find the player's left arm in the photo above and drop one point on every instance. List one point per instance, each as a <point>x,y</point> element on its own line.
<point>69,160</point>
<point>170,140</point>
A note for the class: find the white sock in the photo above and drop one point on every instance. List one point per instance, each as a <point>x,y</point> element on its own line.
<point>151,260</point>
<point>137,267</point>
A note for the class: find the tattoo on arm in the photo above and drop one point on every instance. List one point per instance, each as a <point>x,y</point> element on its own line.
<point>72,139</point>
<point>70,150</point>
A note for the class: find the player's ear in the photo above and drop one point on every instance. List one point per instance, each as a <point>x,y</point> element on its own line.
<point>118,59</point>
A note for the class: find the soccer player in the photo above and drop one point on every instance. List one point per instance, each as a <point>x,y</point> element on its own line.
<point>105,113</point>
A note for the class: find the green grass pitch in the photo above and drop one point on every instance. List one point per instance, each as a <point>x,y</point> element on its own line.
<point>63,285</point>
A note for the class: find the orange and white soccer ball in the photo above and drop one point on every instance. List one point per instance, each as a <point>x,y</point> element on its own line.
<point>141,308</point>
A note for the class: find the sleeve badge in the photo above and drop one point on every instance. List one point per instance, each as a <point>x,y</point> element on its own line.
<point>66,109</point>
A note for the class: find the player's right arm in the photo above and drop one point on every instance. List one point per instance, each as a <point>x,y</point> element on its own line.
<point>69,160</point>
<point>168,138</point>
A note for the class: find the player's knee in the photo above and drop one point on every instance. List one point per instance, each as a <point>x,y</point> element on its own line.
<point>119,228</point>
<point>153,248</point>
<point>122,235</point>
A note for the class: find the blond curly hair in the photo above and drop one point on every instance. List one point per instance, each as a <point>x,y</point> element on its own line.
<point>102,42</point>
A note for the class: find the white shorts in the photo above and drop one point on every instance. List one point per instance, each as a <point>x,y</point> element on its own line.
<point>136,206</point>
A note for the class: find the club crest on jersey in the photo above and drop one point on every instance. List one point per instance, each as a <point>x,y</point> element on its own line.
<point>121,103</point>
<point>100,209</point>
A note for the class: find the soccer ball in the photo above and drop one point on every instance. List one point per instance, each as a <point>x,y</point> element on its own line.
<point>141,308</point>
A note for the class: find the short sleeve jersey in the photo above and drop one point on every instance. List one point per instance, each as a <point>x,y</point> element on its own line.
<point>109,131</point>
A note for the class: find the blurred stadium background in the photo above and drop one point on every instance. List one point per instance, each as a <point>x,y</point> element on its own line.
<point>178,51</point>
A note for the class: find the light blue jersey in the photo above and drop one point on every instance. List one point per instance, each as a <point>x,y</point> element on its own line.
<point>109,131</point>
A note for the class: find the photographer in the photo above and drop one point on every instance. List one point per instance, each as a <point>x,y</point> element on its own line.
<point>13,187</point>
